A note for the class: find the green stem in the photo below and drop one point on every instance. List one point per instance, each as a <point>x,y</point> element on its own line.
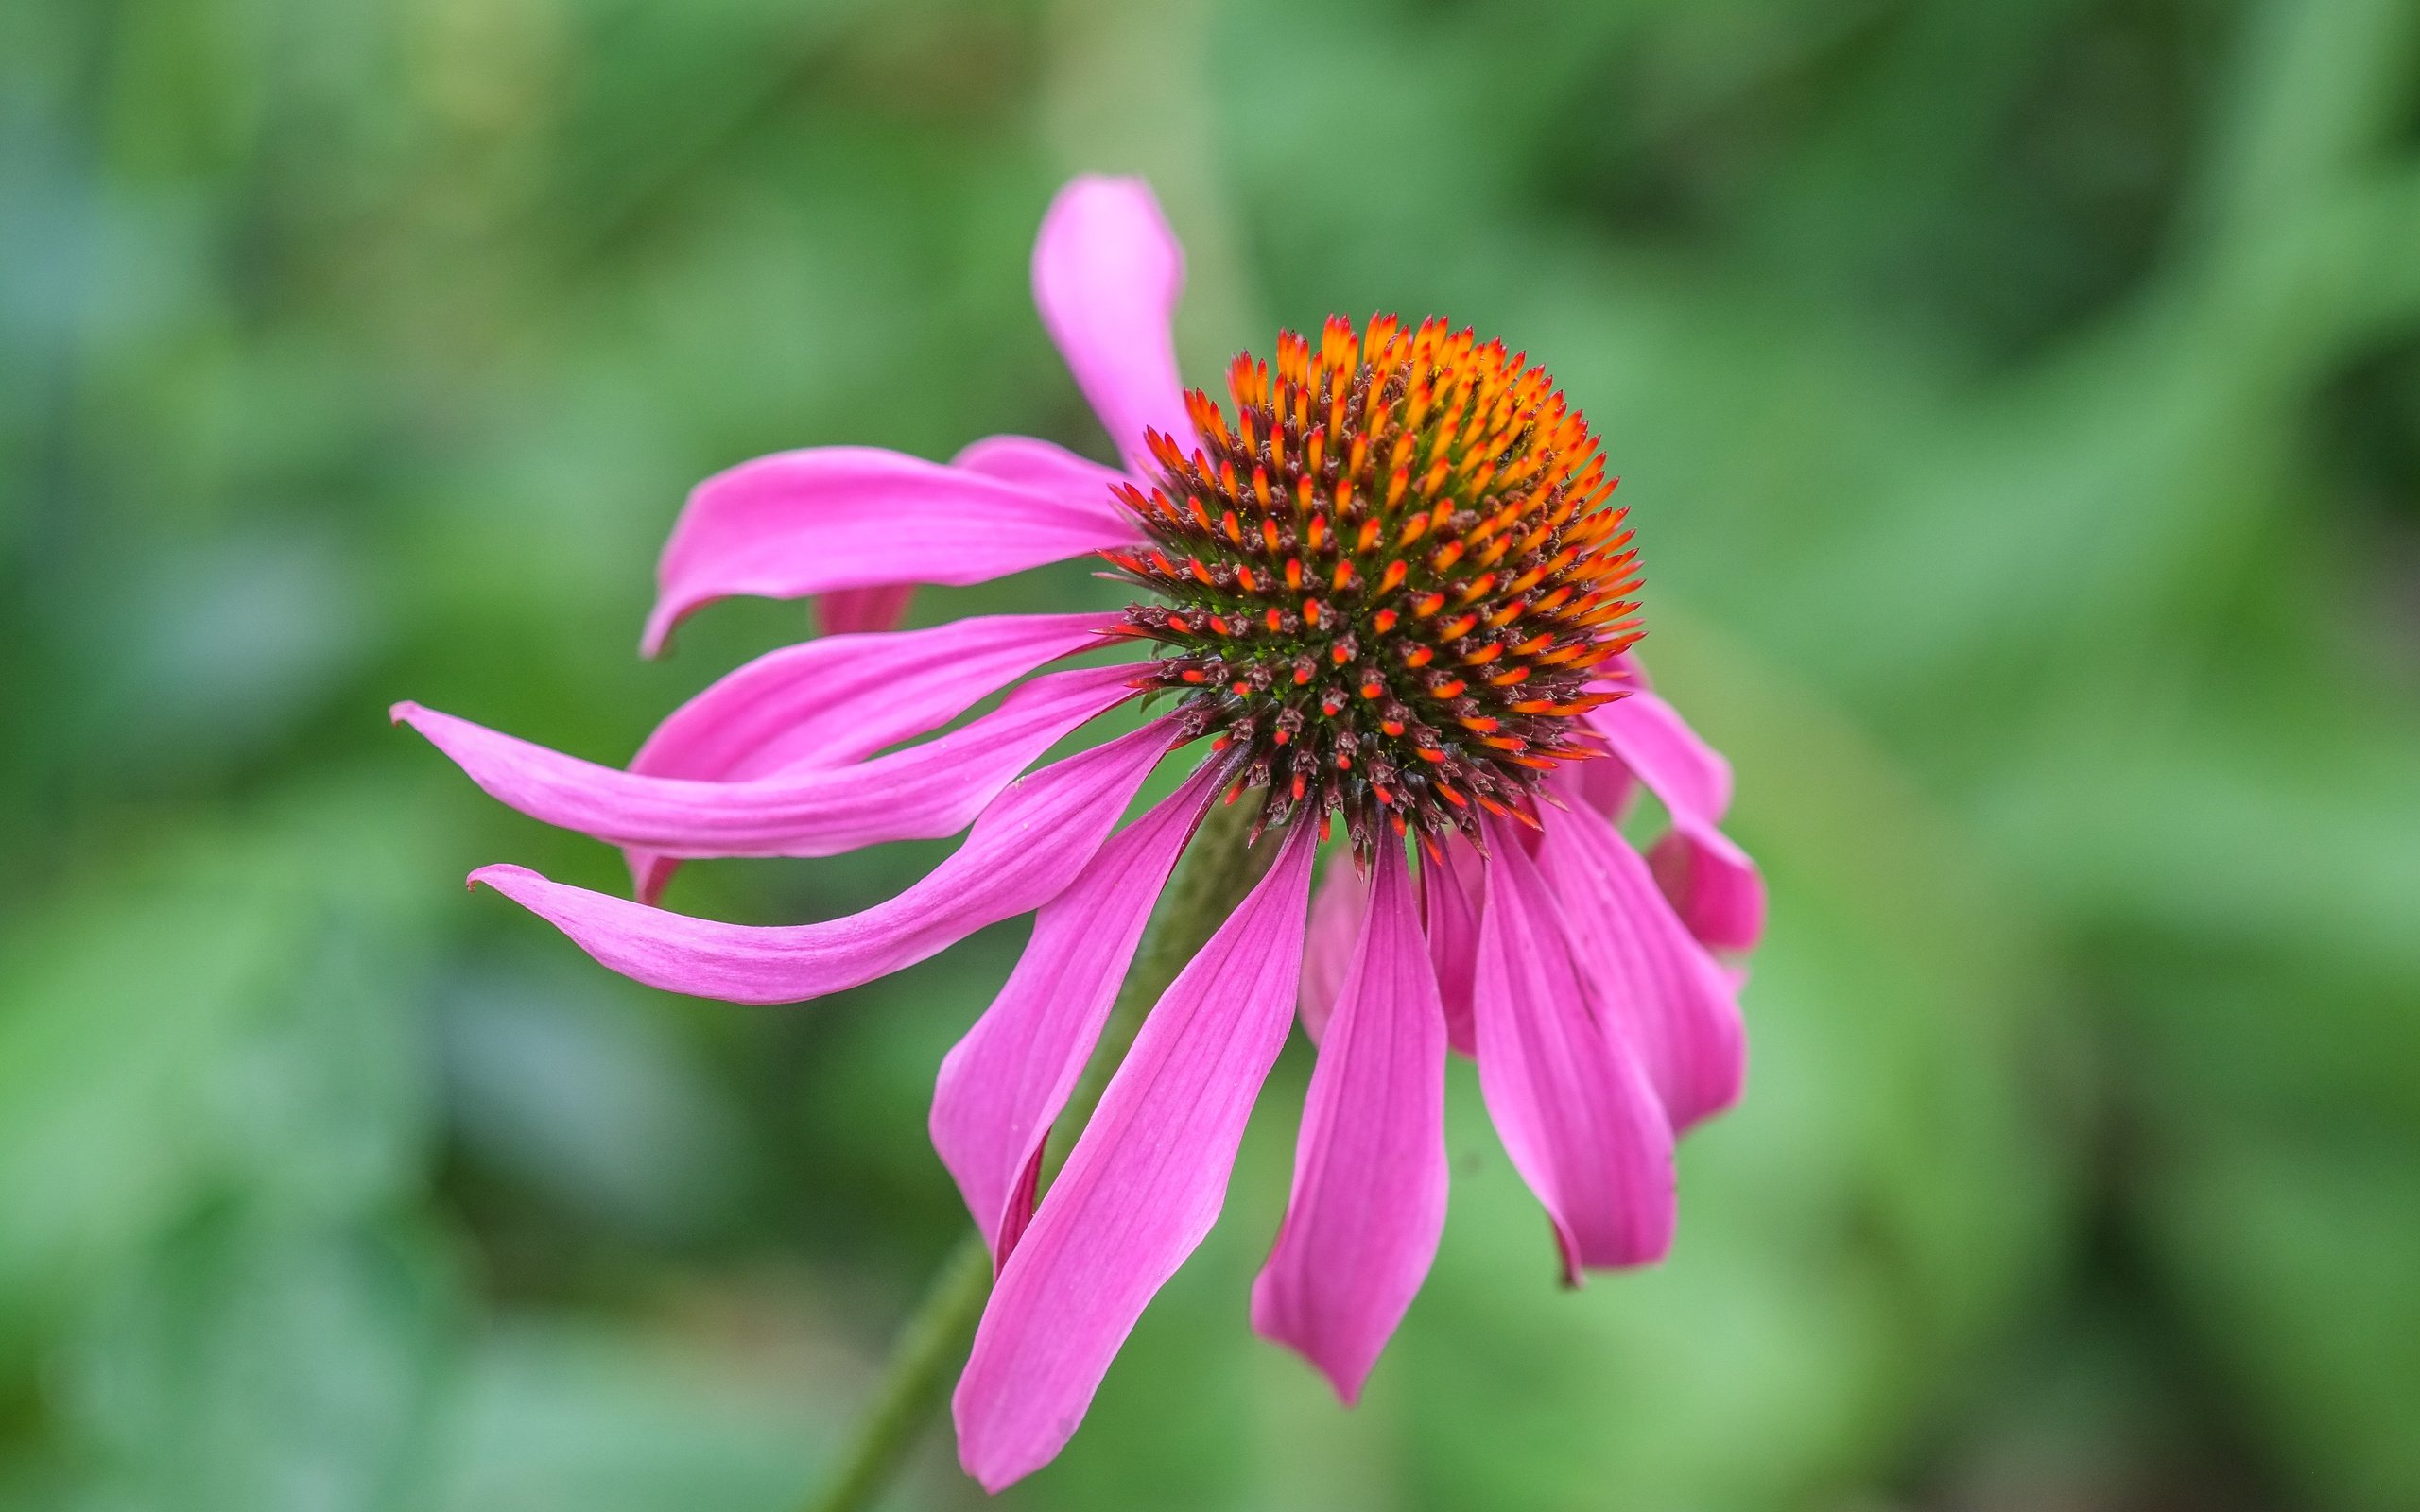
<point>916,1379</point>
<point>1217,871</point>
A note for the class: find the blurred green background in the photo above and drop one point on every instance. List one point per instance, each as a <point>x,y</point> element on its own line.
<point>2019,405</point>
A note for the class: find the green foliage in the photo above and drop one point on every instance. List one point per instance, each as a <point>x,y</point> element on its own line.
<point>2019,405</point>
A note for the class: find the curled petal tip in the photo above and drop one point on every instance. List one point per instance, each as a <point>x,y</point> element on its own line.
<point>495,876</point>
<point>401,714</point>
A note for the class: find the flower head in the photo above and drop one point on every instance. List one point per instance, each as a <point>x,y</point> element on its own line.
<point>1392,588</point>
<point>1389,582</point>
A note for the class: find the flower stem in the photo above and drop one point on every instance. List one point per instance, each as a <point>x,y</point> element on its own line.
<point>1218,870</point>
<point>916,1379</point>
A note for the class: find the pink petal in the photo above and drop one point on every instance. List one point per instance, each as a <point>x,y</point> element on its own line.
<point>1713,885</point>
<point>1573,1106</point>
<point>1657,993</point>
<point>1652,740</point>
<point>1606,786</point>
<point>1002,1086</point>
<point>1026,849</point>
<point>923,791</point>
<point>1337,907</point>
<point>845,517</point>
<point>1143,1187</point>
<point>1717,890</point>
<point>1369,1197</point>
<point>1106,274</point>
<point>1017,459</point>
<point>832,701</point>
<point>835,700</point>
<point>856,611</point>
<point>1447,890</point>
<point>1042,467</point>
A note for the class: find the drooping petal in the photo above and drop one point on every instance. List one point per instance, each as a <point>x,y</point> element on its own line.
<point>1337,907</point>
<point>858,611</point>
<point>1106,275</point>
<point>845,517</point>
<point>1029,844</point>
<point>1712,885</point>
<point>1652,740</point>
<point>1573,1106</point>
<point>832,701</point>
<point>1717,889</point>
<point>1143,1184</point>
<point>1001,1086</point>
<point>1656,988</point>
<point>1042,467</point>
<point>1446,899</point>
<point>1369,1195</point>
<point>922,792</point>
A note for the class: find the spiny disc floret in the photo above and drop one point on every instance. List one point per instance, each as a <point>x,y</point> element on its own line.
<point>1386,587</point>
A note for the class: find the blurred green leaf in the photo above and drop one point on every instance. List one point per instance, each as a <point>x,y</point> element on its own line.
<point>253,1367</point>
<point>561,1081</point>
<point>556,1415</point>
<point>233,1014</point>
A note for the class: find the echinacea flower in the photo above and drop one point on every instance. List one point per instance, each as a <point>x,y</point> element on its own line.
<point>1392,590</point>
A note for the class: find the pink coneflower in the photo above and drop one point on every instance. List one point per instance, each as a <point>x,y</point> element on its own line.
<point>1391,591</point>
